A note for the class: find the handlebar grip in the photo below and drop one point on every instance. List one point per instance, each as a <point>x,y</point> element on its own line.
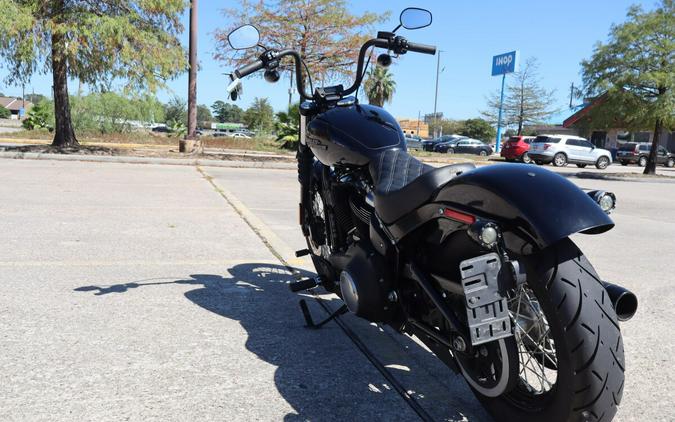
<point>249,68</point>
<point>421,48</point>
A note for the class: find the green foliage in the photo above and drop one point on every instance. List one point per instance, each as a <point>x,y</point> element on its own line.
<point>260,116</point>
<point>287,127</point>
<point>39,117</point>
<point>525,101</point>
<point>380,86</point>
<point>227,113</point>
<point>110,112</point>
<point>175,111</point>
<point>4,113</point>
<point>97,42</point>
<point>136,41</point>
<point>178,129</point>
<point>203,114</point>
<point>635,71</point>
<point>478,129</point>
<point>327,35</point>
<point>445,126</point>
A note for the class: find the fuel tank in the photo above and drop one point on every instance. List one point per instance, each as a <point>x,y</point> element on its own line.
<point>353,135</point>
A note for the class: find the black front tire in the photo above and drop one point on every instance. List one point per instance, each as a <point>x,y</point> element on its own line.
<point>588,343</point>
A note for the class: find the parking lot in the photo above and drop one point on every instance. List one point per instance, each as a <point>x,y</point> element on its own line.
<point>156,292</point>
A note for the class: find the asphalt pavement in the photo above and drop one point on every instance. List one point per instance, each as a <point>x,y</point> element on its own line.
<point>156,292</point>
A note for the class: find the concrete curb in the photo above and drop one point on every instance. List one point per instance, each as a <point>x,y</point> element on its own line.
<point>268,164</point>
<point>596,176</point>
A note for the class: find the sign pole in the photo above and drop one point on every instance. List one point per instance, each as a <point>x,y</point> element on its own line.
<point>499,119</point>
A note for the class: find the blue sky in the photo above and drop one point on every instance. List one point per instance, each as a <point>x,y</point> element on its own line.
<point>559,34</point>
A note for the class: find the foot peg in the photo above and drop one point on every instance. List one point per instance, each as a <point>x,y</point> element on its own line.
<point>308,316</point>
<point>306,284</point>
<point>301,252</point>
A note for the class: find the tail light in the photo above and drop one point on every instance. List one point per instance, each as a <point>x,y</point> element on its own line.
<point>547,146</point>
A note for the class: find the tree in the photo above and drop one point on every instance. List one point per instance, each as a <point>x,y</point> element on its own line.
<point>260,116</point>
<point>324,32</point>
<point>445,127</point>
<point>175,111</point>
<point>287,127</point>
<point>35,98</point>
<point>203,114</point>
<point>478,129</point>
<point>227,113</point>
<point>525,101</point>
<point>4,113</point>
<point>96,42</point>
<point>635,73</point>
<point>380,86</point>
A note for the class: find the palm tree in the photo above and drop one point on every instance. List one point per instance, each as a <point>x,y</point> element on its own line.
<point>380,86</point>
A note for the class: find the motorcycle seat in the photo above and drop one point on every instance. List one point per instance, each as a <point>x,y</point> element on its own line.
<point>403,183</point>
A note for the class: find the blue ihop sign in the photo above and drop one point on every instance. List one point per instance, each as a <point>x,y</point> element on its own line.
<point>504,63</point>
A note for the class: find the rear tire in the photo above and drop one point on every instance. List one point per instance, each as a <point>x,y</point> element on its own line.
<point>670,163</point>
<point>483,153</point>
<point>588,345</point>
<point>525,158</point>
<point>450,151</point>
<point>642,161</point>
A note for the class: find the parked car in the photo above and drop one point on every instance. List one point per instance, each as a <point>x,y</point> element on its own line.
<point>470,146</point>
<point>430,145</point>
<point>239,135</point>
<point>516,148</point>
<point>414,142</point>
<point>638,153</point>
<point>218,134</point>
<point>563,149</point>
<point>448,143</point>
<point>162,129</point>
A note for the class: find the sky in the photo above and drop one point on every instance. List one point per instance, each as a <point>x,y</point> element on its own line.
<point>560,34</point>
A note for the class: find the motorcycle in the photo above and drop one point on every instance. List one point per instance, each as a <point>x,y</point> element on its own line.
<point>475,262</point>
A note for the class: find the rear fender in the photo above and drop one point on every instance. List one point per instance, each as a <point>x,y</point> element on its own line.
<point>531,203</point>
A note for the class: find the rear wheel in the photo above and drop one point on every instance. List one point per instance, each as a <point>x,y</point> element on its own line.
<point>642,161</point>
<point>525,158</point>
<point>602,163</point>
<point>670,163</point>
<point>560,160</point>
<point>570,350</point>
<point>450,151</point>
<point>483,153</point>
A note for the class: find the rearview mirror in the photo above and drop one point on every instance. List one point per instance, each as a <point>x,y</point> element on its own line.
<point>415,18</point>
<point>244,37</point>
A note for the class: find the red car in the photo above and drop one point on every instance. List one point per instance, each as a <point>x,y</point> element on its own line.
<point>516,147</point>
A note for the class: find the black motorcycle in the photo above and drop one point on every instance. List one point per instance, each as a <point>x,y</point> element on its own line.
<point>475,262</point>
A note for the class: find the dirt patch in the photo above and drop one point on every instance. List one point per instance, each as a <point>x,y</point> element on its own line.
<point>48,149</point>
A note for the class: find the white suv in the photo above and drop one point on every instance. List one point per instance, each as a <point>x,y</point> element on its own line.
<point>563,149</point>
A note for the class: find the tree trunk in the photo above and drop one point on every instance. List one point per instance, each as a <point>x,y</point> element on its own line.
<point>650,168</point>
<point>64,135</point>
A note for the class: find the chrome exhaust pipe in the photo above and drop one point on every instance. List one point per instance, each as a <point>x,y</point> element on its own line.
<point>624,301</point>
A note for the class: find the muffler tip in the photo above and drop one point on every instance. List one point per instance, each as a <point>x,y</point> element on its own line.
<point>625,306</point>
<point>624,301</point>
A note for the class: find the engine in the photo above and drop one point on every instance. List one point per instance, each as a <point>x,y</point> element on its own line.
<point>365,288</point>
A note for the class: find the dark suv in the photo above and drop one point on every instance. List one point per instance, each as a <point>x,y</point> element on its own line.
<point>638,153</point>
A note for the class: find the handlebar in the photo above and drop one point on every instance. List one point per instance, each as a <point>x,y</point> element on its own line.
<point>249,68</point>
<point>397,44</point>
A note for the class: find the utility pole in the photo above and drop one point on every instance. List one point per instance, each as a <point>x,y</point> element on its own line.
<point>192,83</point>
<point>438,65</point>
<point>571,94</point>
<point>418,122</point>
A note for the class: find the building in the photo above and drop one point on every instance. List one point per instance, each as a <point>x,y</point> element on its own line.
<point>612,138</point>
<point>16,106</point>
<point>414,127</point>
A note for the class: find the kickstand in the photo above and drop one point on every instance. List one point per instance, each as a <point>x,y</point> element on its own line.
<point>308,317</point>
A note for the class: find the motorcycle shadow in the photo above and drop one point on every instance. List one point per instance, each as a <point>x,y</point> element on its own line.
<point>320,373</point>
